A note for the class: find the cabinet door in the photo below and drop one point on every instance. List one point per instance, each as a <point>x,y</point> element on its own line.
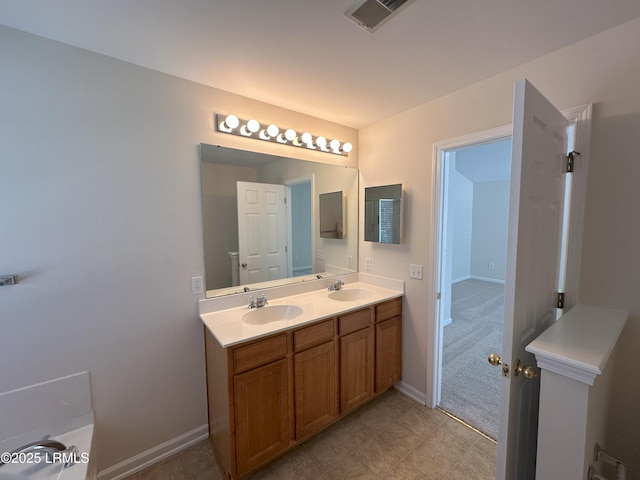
<point>261,414</point>
<point>388,353</point>
<point>315,388</point>
<point>356,368</point>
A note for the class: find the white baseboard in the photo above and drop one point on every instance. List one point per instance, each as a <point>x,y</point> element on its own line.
<point>447,322</point>
<point>411,392</point>
<point>487,279</point>
<point>461,279</point>
<point>154,455</point>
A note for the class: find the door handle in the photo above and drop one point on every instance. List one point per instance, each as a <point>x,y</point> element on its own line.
<point>243,264</point>
<point>527,371</point>
<point>495,360</point>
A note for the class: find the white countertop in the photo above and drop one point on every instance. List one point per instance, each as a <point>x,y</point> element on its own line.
<point>578,345</point>
<point>229,329</point>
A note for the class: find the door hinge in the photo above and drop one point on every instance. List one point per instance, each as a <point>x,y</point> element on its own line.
<point>285,200</point>
<point>286,249</point>
<point>570,157</point>
<point>560,300</point>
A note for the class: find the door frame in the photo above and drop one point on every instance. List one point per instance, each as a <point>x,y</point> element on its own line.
<point>581,116</point>
<point>288,183</point>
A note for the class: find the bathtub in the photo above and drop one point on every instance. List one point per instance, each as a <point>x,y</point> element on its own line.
<point>77,431</point>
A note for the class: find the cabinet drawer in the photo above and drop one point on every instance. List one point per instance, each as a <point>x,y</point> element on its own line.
<point>354,321</point>
<point>390,309</point>
<point>259,353</point>
<point>314,335</point>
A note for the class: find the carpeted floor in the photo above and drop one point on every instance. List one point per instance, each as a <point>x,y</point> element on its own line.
<point>470,386</point>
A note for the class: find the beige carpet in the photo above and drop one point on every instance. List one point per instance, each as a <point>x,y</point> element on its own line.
<point>470,386</point>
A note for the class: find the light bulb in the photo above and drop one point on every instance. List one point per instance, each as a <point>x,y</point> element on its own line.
<point>290,134</point>
<point>321,142</point>
<point>253,125</point>
<point>250,128</point>
<point>306,138</point>
<point>347,147</point>
<point>273,130</point>
<point>335,145</point>
<point>231,122</point>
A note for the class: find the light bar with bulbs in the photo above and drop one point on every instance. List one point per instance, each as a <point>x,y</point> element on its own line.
<point>272,133</point>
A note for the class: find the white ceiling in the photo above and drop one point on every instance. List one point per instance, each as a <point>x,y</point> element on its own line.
<point>486,162</point>
<point>305,55</point>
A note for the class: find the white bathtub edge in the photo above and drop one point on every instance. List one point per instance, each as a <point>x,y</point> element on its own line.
<point>154,455</point>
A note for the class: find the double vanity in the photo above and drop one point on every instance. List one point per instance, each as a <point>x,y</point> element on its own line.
<point>279,373</point>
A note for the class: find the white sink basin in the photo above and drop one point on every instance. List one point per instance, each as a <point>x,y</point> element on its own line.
<point>350,294</point>
<point>271,313</point>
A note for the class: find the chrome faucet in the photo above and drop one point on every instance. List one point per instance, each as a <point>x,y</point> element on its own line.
<point>48,447</point>
<point>261,301</point>
<point>337,285</point>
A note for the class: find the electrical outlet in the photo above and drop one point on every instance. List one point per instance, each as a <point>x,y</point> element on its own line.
<point>367,264</point>
<point>415,271</point>
<point>197,285</point>
<point>320,254</point>
<point>492,266</point>
<point>350,261</point>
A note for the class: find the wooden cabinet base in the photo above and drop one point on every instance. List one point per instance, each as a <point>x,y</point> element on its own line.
<point>266,395</point>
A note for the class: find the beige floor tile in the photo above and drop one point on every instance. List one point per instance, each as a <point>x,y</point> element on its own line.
<point>377,456</point>
<point>199,462</point>
<point>399,438</point>
<point>478,464</point>
<point>487,446</point>
<point>392,438</point>
<point>298,464</point>
<point>351,434</point>
<point>325,448</point>
<point>135,476</point>
<point>402,471</point>
<point>170,469</point>
<point>350,468</point>
<point>433,462</point>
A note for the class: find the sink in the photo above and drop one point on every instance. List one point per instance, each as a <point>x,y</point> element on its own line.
<point>350,294</point>
<point>271,313</point>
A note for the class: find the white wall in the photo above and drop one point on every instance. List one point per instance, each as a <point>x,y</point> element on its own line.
<point>489,230</point>
<point>461,214</point>
<point>220,218</point>
<point>100,217</point>
<point>605,70</point>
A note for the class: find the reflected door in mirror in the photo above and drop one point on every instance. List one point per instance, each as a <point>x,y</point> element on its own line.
<point>262,232</point>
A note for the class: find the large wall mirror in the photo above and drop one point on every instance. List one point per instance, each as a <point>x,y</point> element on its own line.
<point>261,223</point>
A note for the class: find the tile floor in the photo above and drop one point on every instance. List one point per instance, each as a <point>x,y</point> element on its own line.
<point>392,437</point>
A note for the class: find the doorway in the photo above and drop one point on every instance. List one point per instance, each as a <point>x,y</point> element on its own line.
<point>475,200</point>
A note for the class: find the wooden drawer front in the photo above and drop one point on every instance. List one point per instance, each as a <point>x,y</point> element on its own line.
<point>354,321</point>
<point>390,309</point>
<point>314,335</point>
<point>259,353</point>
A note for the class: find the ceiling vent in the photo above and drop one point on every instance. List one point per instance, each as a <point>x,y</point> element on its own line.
<point>371,14</point>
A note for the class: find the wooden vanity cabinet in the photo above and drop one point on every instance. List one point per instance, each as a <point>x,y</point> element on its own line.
<point>315,383</point>
<point>266,395</point>
<point>388,344</point>
<point>356,358</point>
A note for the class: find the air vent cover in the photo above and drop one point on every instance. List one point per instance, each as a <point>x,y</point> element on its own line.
<point>371,14</point>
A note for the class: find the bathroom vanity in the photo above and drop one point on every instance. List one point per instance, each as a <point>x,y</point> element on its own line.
<point>281,373</point>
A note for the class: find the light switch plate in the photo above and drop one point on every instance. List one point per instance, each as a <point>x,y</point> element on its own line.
<point>415,271</point>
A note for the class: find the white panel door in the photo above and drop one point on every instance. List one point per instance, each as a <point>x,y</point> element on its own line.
<point>533,253</point>
<point>262,232</point>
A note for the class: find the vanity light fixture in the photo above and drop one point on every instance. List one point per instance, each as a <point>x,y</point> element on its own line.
<point>272,133</point>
